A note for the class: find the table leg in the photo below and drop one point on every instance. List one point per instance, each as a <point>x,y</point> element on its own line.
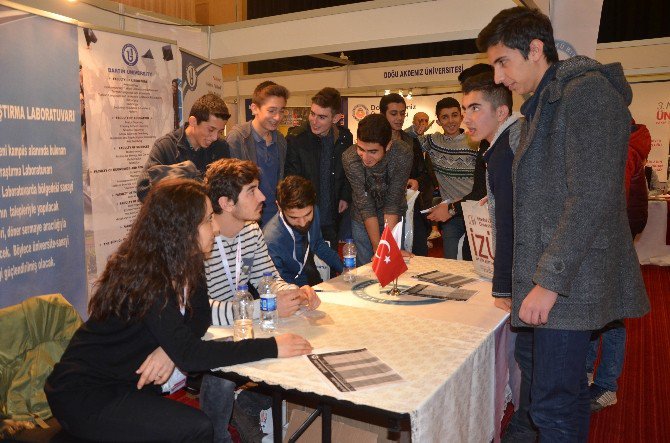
<point>326,423</point>
<point>277,419</point>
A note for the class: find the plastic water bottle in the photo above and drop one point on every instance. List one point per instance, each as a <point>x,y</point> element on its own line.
<point>349,252</point>
<point>243,314</point>
<point>266,290</point>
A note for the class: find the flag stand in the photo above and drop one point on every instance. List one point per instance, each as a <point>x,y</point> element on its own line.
<point>394,290</point>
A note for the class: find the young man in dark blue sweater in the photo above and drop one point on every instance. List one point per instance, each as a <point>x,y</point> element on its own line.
<point>487,108</point>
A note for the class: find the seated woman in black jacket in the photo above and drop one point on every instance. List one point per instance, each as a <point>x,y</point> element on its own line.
<point>148,314</point>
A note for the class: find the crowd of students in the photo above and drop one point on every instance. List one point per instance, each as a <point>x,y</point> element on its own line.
<point>219,213</point>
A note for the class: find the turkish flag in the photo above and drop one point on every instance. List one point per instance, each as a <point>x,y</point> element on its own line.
<point>388,263</point>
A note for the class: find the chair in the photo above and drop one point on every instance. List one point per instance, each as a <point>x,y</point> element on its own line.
<point>34,335</point>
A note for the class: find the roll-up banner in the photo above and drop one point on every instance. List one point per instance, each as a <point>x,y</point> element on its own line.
<point>41,215</point>
<point>127,85</point>
<point>200,77</point>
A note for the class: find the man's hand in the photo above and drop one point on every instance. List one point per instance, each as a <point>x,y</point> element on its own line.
<point>537,305</point>
<point>342,206</point>
<point>289,301</point>
<point>440,213</point>
<point>483,201</point>
<point>157,369</point>
<point>310,299</point>
<point>504,303</point>
<point>412,184</point>
<point>290,345</point>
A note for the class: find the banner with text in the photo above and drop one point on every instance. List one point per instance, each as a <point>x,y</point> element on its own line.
<point>651,107</point>
<point>359,107</point>
<point>200,77</point>
<point>126,86</point>
<point>478,228</point>
<point>41,215</point>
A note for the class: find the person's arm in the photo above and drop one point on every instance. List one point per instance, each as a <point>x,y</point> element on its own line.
<point>162,153</point>
<point>191,354</point>
<point>594,158</point>
<point>372,228</point>
<point>353,169</point>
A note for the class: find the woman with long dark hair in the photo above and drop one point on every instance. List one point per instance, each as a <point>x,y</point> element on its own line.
<point>148,314</point>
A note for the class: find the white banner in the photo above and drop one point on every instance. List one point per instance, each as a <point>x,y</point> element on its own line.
<point>126,86</point>
<point>576,24</point>
<point>479,231</point>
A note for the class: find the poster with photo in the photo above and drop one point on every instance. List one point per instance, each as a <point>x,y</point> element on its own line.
<point>199,77</point>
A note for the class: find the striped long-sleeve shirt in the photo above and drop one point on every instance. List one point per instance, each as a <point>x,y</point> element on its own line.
<point>255,261</point>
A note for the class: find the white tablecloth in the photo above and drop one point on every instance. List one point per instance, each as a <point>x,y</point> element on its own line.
<point>445,351</point>
<point>650,244</point>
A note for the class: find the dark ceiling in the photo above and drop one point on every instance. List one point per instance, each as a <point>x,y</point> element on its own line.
<point>621,20</point>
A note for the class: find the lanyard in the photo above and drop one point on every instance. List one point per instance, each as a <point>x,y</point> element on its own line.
<point>226,267</point>
<point>290,231</point>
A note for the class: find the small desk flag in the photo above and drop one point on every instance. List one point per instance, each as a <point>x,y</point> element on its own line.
<point>388,264</point>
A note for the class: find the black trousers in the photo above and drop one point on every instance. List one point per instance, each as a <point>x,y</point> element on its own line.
<point>124,414</point>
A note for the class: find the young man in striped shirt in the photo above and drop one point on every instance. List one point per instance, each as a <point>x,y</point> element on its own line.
<point>239,253</point>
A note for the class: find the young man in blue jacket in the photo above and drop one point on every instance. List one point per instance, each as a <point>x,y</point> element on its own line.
<point>293,235</point>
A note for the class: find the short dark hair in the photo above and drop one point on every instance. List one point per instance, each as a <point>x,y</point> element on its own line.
<point>227,177</point>
<point>473,70</point>
<point>268,89</point>
<point>497,94</point>
<point>329,98</point>
<point>295,192</point>
<point>447,102</point>
<point>374,128</point>
<point>390,98</point>
<point>209,104</point>
<point>515,28</point>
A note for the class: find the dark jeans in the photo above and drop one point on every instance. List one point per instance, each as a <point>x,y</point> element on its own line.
<point>124,414</point>
<point>521,429</point>
<point>560,404</point>
<point>420,235</point>
<point>217,396</point>
<point>452,232</point>
<point>611,355</point>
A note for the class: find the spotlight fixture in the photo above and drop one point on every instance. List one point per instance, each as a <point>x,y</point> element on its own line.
<point>409,95</point>
<point>387,91</point>
<point>400,92</point>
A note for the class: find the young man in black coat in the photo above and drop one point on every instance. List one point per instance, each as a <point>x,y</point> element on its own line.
<point>314,151</point>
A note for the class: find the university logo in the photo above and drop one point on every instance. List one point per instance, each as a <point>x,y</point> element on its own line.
<point>566,48</point>
<point>191,76</point>
<point>359,112</point>
<point>129,54</point>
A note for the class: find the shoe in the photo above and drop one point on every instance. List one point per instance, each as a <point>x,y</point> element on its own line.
<point>434,234</point>
<point>601,398</point>
<point>589,376</point>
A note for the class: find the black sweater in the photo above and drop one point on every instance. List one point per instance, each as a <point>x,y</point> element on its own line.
<point>103,353</point>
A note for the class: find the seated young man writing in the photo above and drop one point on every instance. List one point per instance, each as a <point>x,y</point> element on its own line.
<point>293,235</point>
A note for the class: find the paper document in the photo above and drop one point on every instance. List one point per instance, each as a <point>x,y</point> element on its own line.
<point>426,211</point>
<point>354,370</point>
<point>445,279</point>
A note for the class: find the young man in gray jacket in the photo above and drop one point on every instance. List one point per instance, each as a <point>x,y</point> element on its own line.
<point>574,267</point>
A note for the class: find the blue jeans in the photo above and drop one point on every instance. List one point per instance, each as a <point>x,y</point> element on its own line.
<point>521,429</point>
<point>217,396</point>
<point>364,250</point>
<point>611,355</point>
<point>560,403</point>
<point>452,231</point>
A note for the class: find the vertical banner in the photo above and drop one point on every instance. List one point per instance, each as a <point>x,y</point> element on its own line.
<point>128,95</point>
<point>200,77</point>
<point>651,107</point>
<point>41,215</point>
<point>576,24</point>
